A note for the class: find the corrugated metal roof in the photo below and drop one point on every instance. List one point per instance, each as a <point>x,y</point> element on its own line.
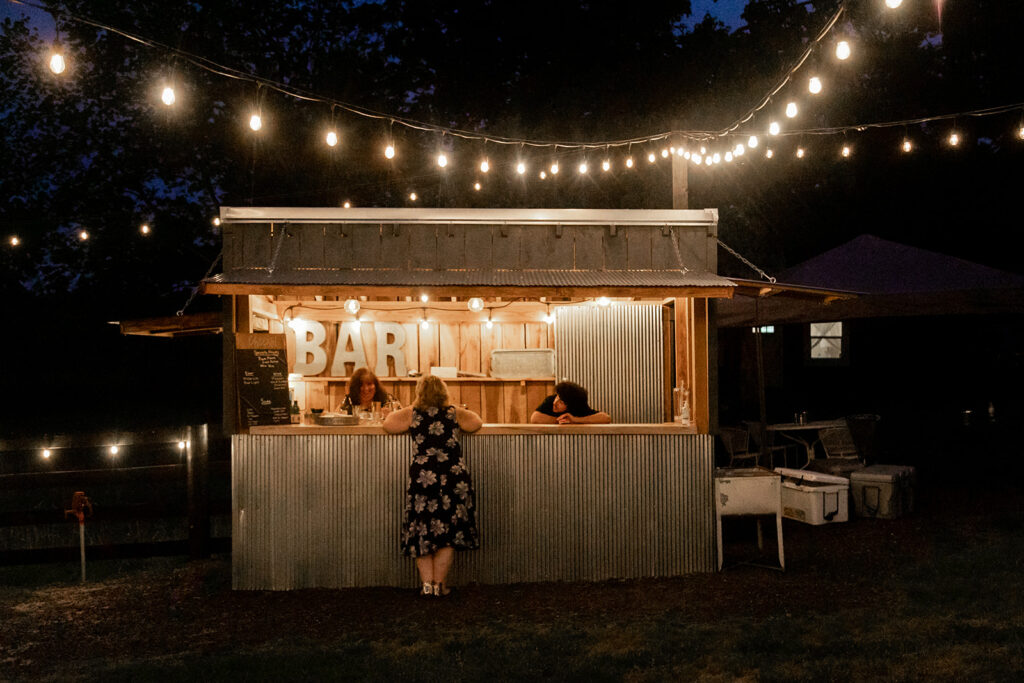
<point>378,277</point>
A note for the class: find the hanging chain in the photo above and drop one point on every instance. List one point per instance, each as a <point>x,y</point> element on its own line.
<point>195,290</point>
<point>735,253</point>
<point>675,248</point>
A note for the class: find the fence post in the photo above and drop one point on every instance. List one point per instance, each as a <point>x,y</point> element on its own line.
<point>198,448</point>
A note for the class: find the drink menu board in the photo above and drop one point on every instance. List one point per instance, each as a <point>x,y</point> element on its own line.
<point>261,362</point>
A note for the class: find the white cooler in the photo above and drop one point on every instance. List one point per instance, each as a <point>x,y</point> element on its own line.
<point>814,497</point>
<point>885,491</point>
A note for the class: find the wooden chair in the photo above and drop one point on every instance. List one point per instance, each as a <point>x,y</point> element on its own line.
<point>737,445</point>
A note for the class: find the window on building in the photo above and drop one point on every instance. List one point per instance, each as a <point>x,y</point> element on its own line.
<point>827,341</point>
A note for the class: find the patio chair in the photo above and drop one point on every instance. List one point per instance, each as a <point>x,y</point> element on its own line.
<point>837,442</point>
<point>737,445</point>
<point>754,430</point>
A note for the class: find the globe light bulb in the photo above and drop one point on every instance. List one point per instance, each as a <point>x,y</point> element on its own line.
<point>696,158</point>
<point>351,306</point>
<point>477,186</point>
<point>47,453</point>
<point>520,168</point>
<point>842,50</point>
<point>347,205</point>
<point>583,168</point>
<point>907,146</point>
<point>424,325</point>
<point>167,96</point>
<point>846,151</point>
<point>412,196</point>
<point>629,162</point>
<point>686,155</point>
<point>549,319</point>
<point>181,445</point>
<point>442,160</point>
<point>114,450</point>
<point>708,160</point>
<point>739,150</point>
<point>651,158</point>
<point>814,85</point>
<point>424,298</point>
<point>607,165</point>
<point>752,142</point>
<point>717,158</point>
<point>489,324</point>
<point>893,4</point>
<point>543,175</point>
<point>799,152</point>
<point>331,139</point>
<point>664,154</point>
<point>484,166</point>
<point>603,301</point>
<point>389,152</point>
<point>768,153</point>
<point>703,150</point>
<point>774,128</point>
<point>255,122</point>
<point>791,109</point>
<point>57,64</point>
<point>554,168</point>
<point>216,221</point>
<point>144,229</point>
<point>954,139</point>
<point>83,235</point>
<point>475,304</point>
<point>1020,133</point>
<point>15,241</point>
<point>728,157</point>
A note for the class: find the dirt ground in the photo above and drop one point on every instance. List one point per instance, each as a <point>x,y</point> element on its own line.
<point>166,609</point>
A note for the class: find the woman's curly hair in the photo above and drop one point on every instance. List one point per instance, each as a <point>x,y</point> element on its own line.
<point>431,392</point>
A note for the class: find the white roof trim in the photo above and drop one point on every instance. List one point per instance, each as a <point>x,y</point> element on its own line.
<point>313,214</point>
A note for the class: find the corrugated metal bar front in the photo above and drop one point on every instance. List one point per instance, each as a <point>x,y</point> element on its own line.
<point>616,352</point>
<point>325,510</point>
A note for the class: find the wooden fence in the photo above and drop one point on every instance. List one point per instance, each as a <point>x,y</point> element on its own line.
<point>158,492</point>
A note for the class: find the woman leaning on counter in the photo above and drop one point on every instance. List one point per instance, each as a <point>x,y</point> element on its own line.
<point>440,506</point>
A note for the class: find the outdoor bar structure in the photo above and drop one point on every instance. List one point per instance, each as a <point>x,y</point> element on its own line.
<point>503,303</point>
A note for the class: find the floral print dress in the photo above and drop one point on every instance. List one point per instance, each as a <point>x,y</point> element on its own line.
<point>440,510</point>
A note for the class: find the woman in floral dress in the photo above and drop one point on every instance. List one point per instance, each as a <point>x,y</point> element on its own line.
<point>440,506</point>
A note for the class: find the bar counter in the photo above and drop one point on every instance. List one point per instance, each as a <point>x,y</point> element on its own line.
<point>316,506</point>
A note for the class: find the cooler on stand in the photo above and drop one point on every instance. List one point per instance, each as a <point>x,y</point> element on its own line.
<point>814,497</point>
<point>883,491</point>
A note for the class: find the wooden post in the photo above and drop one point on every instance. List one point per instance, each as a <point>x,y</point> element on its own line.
<point>680,181</point>
<point>197,449</point>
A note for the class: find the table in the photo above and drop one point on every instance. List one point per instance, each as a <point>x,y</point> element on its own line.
<point>805,433</point>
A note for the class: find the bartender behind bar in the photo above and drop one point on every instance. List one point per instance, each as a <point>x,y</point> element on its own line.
<point>568,405</point>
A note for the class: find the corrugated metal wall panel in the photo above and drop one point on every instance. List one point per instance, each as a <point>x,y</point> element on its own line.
<point>616,353</point>
<point>326,510</point>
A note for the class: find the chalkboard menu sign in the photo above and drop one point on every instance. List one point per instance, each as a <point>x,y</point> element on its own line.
<point>262,364</point>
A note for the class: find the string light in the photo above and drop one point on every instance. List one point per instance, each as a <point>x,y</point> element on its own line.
<point>607,165</point>
<point>83,235</point>
<point>548,317</point>
<point>814,85</point>
<point>1020,133</point>
<point>489,323</point>
<point>752,141</point>
<point>351,306</point>
<point>774,128</point>
<point>768,153</point>
<point>707,161</point>
<point>799,152</point>
<point>664,154</point>
<point>893,4</point>
<point>255,122</point>
<point>424,298</point>
<point>717,158</point>
<point>583,168</point>
<point>554,168</point>
<point>651,158</point>
<point>47,453</point>
<point>477,186</point>
<point>412,196</point>
<point>57,64</point>
<point>114,450</point>
<point>331,138</point>
<point>629,162</point>
<point>603,301</point>
<point>485,166</point>
<point>846,151</point>
<point>442,160</point>
<point>181,445</point>
<point>954,139</point>
<point>389,152</point>
<point>728,157</point>
<point>424,323</point>
<point>144,229</point>
<point>520,168</point>
<point>907,145</point>
<point>696,158</point>
<point>842,50</point>
<point>347,205</point>
<point>15,241</point>
<point>475,304</point>
<point>543,175</point>
<point>791,110</point>
<point>216,221</point>
<point>167,96</point>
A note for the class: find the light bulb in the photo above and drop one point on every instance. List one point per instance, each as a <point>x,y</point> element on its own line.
<point>47,453</point>
<point>549,319</point>
<point>814,85</point>
<point>740,150</point>
<point>216,221</point>
<point>686,155</point>
<point>842,50</point>
<point>907,146</point>
<point>83,235</point>
<point>424,325</point>
<point>664,154</point>
<point>181,445</point>
<point>651,158</point>
<point>728,157</point>
<point>717,158</point>
<point>846,150</point>
<point>791,109</point>
<point>954,139</point>
<point>629,162</point>
<point>389,152</point>
<point>774,128</point>
<point>607,165</point>
<point>351,306</point>
<point>893,4</point>
<point>799,152</point>
<point>554,168</point>
<point>476,186</point>
<point>475,304</point>
<point>703,150</point>
<point>255,122</point>
<point>144,229</point>
<point>412,196</point>
<point>347,205</point>
<point>167,96</point>
<point>489,324</point>
<point>331,139</point>
<point>603,301</point>
<point>583,168</point>
<point>752,142</point>
<point>696,158</point>
<point>484,166</point>
<point>442,160</point>
<point>768,153</point>
<point>57,64</point>
<point>424,298</point>
<point>708,160</point>
<point>1020,133</point>
<point>15,241</point>
<point>543,175</point>
<point>114,450</point>
<point>520,168</point>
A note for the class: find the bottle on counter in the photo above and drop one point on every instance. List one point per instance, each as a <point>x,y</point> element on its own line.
<point>346,407</point>
<point>296,414</point>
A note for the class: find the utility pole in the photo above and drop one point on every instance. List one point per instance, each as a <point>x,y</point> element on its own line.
<point>680,186</point>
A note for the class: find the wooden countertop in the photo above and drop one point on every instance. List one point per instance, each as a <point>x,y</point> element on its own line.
<point>489,428</point>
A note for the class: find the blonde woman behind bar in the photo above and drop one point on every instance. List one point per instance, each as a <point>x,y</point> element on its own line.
<point>440,505</point>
